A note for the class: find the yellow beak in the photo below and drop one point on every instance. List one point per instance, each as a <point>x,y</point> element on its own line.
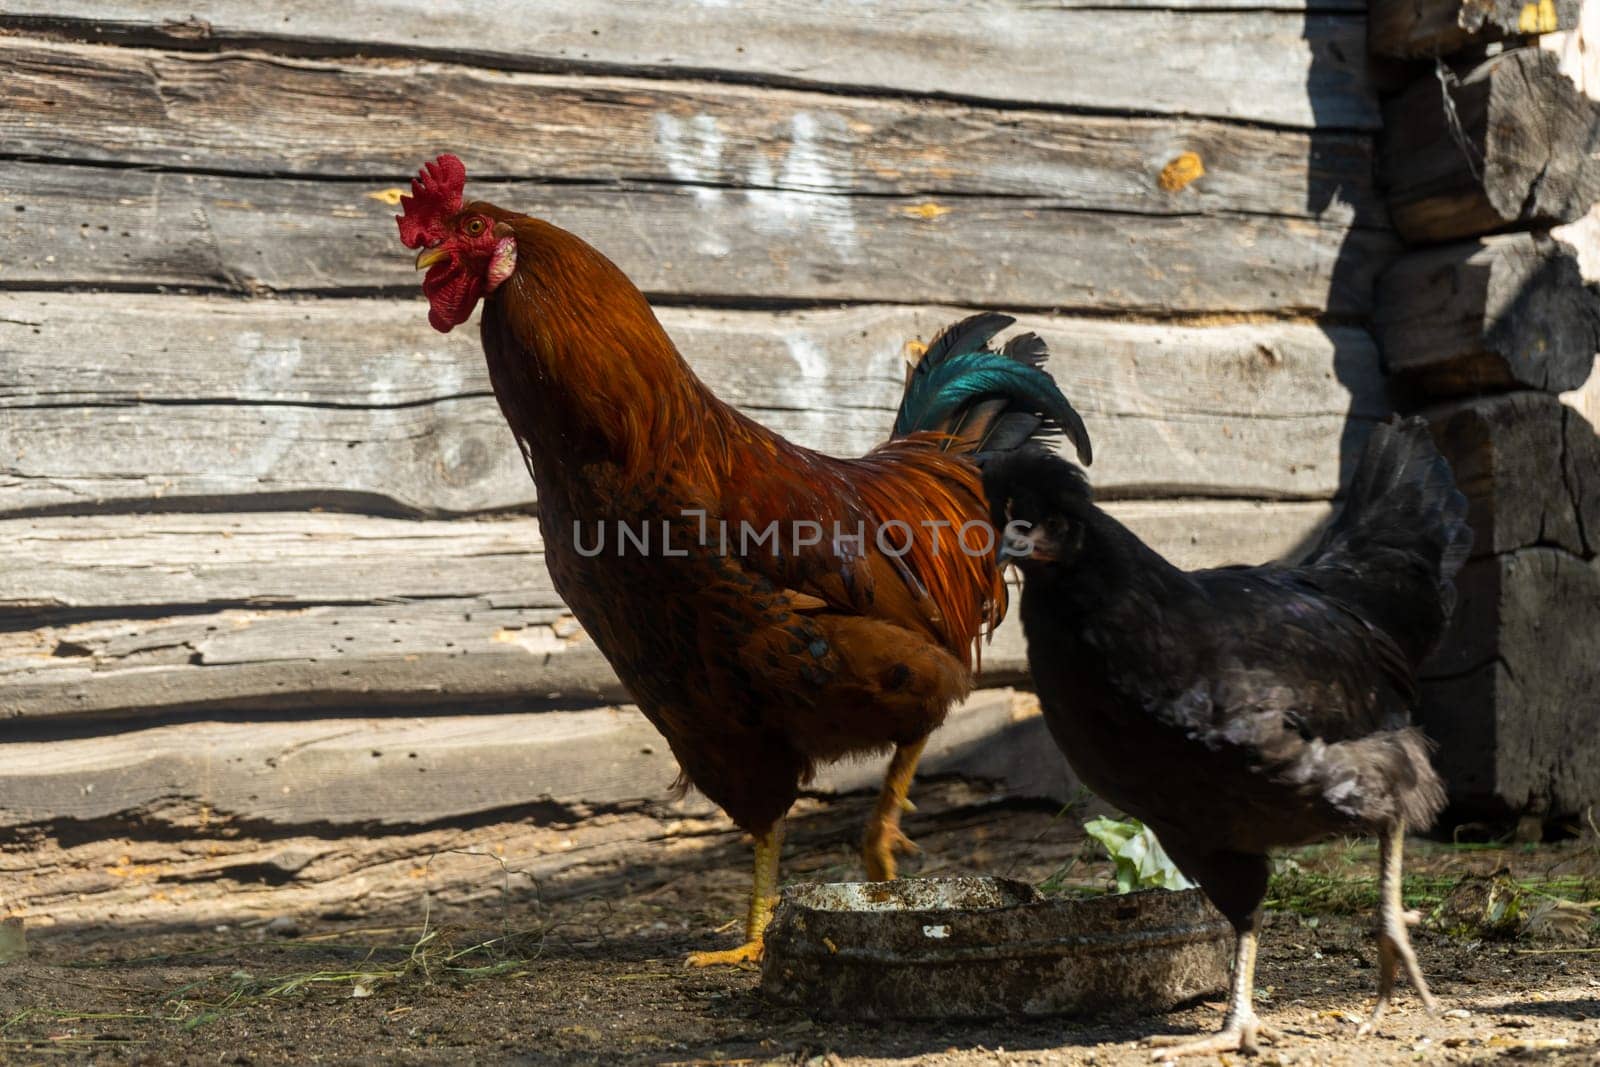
<point>429,256</point>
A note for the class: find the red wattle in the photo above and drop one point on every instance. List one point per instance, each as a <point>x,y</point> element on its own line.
<point>452,293</point>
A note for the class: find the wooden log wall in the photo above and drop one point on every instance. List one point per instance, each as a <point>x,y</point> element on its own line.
<point>1491,157</point>
<point>268,568</point>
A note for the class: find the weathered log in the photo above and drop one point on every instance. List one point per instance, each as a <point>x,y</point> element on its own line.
<point>1515,692</point>
<point>442,655</point>
<point>201,404</point>
<point>1513,143</point>
<point>321,810</point>
<point>1413,29</point>
<point>412,772</point>
<point>65,567</point>
<point>121,872</point>
<point>1504,312</point>
<point>69,567</point>
<point>1280,67</point>
<point>153,615</point>
<point>1524,462</point>
<point>179,864</point>
<point>245,113</point>
<point>128,229</point>
<point>1580,471</point>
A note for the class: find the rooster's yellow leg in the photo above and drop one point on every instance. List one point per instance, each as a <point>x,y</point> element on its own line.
<point>763,898</point>
<point>884,837</point>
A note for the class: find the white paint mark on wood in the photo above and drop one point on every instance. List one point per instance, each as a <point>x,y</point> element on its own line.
<point>693,153</point>
<point>781,212</point>
<point>812,393</point>
<point>811,360</point>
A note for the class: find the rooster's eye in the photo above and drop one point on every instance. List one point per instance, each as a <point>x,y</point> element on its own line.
<point>474,227</point>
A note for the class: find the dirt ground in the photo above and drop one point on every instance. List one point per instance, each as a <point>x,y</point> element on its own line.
<point>598,977</point>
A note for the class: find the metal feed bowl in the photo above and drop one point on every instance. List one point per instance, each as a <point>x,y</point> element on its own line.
<point>974,948</point>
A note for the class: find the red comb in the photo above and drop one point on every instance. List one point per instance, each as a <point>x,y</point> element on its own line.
<point>435,195</point>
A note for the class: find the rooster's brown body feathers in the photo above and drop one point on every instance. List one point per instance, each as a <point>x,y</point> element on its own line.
<point>755,667</point>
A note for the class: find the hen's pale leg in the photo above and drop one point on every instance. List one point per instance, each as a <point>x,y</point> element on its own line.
<point>884,837</point>
<point>1241,1030</point>
<point>1394,942</point>
<point>763,898</point>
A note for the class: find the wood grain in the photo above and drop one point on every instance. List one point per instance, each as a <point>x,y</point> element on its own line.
<point>135,402</point>
<point>1528,465</point>
<point>247,114</point>
<point>151,615</point>
<point>445,655</point>
<point>1526,153</point>
<point>1282,67</point>
<point>384,808</point>
<point>1514,697</point>
<point>240,875</point>
<point>400,771</point>
<point>179,865</point>
<point>129,229</point>
<point>74,565</point>
<point>266,560</point>
<point>1505,312</point>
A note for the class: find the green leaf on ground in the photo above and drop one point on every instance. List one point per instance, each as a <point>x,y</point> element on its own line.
<point>1140,860</point>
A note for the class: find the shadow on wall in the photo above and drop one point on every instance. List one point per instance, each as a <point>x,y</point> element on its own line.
<point>1336,75</point>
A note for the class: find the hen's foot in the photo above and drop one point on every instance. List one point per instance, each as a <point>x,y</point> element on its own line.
<point>1243,1036</point>
<point>1394,951</point>
<point>1394,939</point>
<point>749,952</point>
<point>884,840</point>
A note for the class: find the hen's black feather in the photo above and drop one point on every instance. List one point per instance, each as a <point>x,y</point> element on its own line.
<point>1242,708</point>
<point>1400,539</point>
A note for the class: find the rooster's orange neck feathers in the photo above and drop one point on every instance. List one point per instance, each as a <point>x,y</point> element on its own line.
<point>591,365</point>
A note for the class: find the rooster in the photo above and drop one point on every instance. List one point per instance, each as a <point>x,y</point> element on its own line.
<point>1243,709</point>
<point>850,626</point>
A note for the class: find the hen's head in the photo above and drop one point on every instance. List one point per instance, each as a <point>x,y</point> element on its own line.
<point>1043,505</point>
<point>467,250</point>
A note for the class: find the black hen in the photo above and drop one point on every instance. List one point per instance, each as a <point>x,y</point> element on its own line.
<point>1243,709</point>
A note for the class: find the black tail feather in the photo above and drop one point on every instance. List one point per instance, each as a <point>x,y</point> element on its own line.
<point>971,334</point>
<point>1401,539</point>
<point>1027,348</point>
